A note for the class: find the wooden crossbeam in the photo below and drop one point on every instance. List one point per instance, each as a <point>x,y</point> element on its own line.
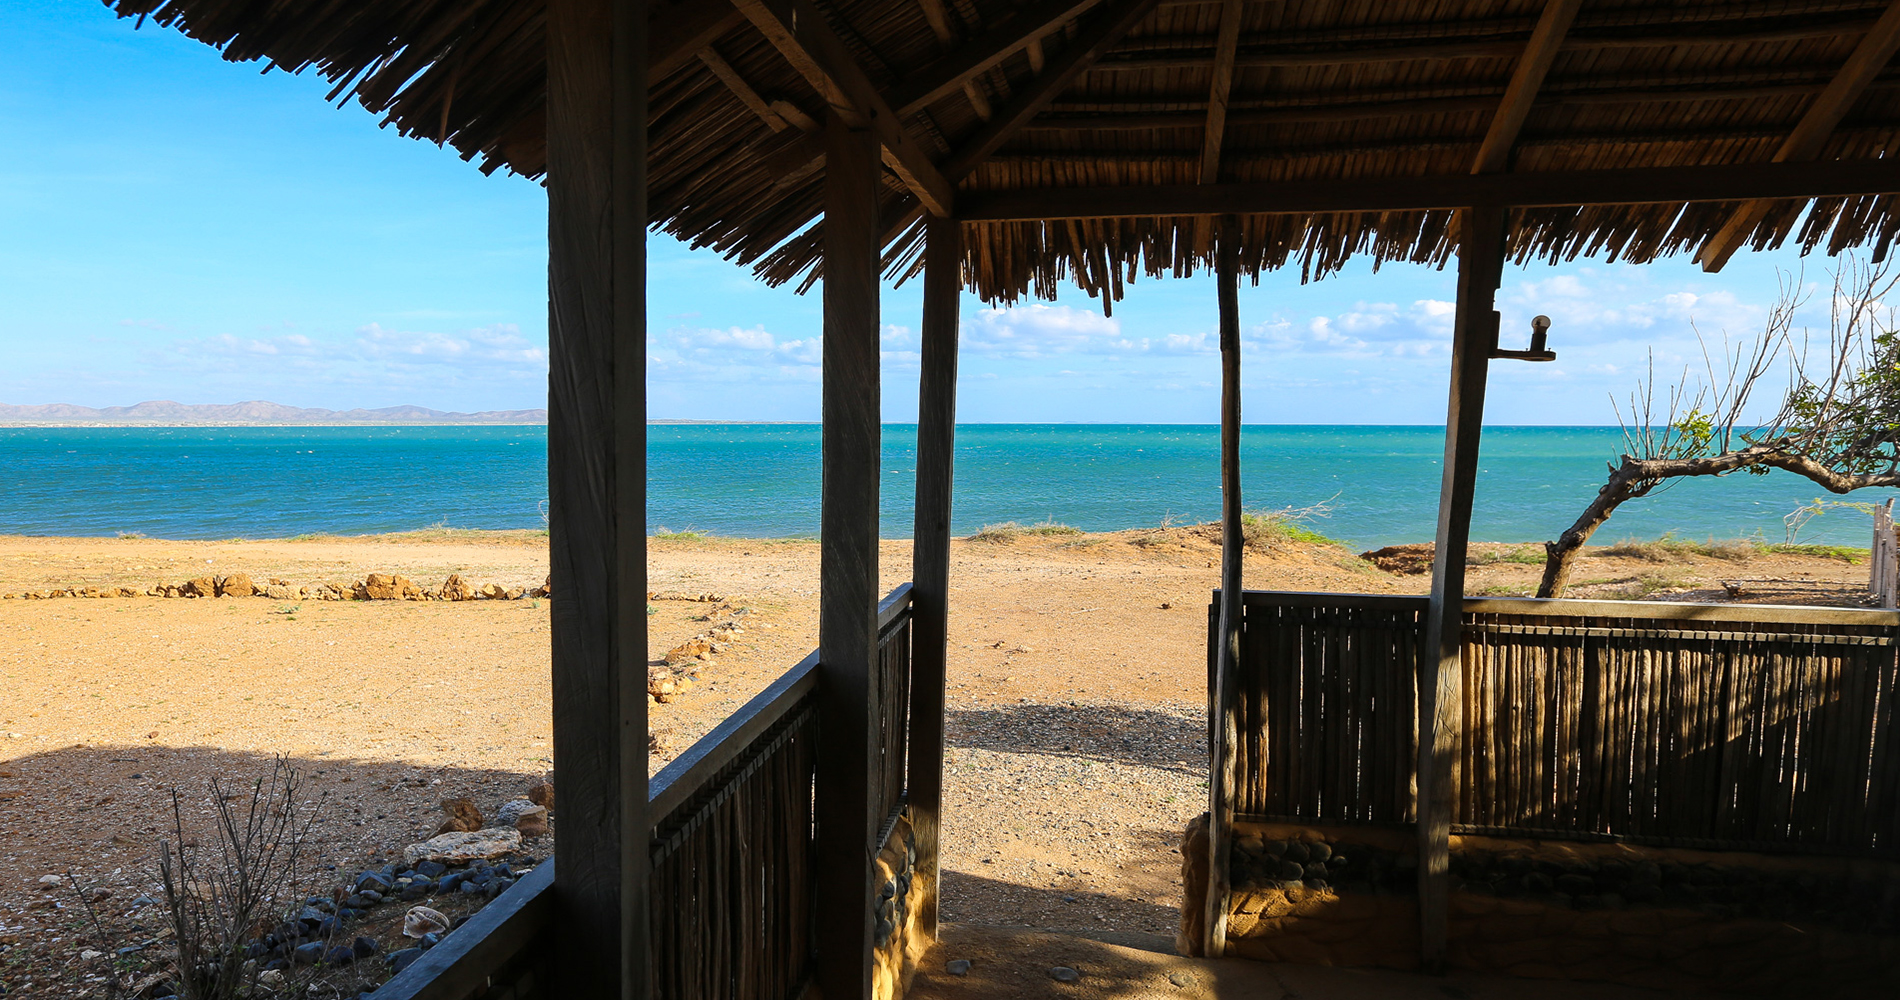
<point>951,70</point>
<point>676,34</point>
<point>741,89</point>
<point>1099,35</point>
<point>799,31</point>
<point>1645,185</point>
<point>1527,78</point>
<point>1871,56</point>
<point>1486,47</point>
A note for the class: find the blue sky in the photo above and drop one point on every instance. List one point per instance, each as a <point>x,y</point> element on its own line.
<point>176,226</point>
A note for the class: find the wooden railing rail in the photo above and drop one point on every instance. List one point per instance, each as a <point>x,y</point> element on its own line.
<point>487,949</point>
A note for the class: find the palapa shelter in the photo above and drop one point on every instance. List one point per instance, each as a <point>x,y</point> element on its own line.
<point>1005,148</point>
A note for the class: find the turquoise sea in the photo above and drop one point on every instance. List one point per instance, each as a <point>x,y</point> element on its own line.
<point>762,480</point>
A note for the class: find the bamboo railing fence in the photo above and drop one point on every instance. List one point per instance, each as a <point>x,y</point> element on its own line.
<point>1735,727</point>
<point>732,853</point>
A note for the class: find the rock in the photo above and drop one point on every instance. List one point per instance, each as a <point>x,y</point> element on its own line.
<point>457,847</point>
<point>308,953</point>
<point>236,585</point>
<point>542,794</point>
<point>400,960</point>
<point>363,900</point>
<point>463,817</point>
<point>527,818</point>
<point>431,869</point>
<point>691,649</point>
<point>386,587</point>
<point>373,882</point>
<point>203,586</point>
<point>494,592</point>
<point>127,592</point>
<point>1184,980</point>
<point>364,947</point>
<point>271,978</point>
<point>421,921</point>
<point>278,592</point>
<point>957,967</point>
<point>51,881</point>
<point>545,590</point>
<point>1064,974</point>
<point>340,955</point>
<point>456,589</point>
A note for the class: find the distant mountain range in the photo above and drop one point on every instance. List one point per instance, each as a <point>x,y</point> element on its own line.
<point>163,412</point>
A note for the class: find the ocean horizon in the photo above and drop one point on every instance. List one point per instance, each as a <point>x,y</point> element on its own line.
<point>1367,485</point>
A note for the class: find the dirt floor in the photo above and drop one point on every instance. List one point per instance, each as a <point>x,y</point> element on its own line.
<point>1077,675</point>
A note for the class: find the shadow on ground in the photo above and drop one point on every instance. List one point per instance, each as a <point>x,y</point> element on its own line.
<point>1147,737</point>
<point>99,813</point>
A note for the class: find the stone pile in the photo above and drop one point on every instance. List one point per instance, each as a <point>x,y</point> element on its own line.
<point>372,587</point>
<point>680,670</point>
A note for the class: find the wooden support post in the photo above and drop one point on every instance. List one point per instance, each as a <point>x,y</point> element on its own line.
<point>597,112</point>
<point>1222,707</point>
<point>930,550</point>
<point>847,594</point>
<point>1440,684</point>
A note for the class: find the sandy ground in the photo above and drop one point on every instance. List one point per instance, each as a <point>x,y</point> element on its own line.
<point>1077,675</point>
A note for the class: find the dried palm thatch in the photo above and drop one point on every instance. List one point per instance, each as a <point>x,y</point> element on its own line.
<point>1118,92</point>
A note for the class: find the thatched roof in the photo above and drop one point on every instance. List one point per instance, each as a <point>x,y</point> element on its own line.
<point>1319,89</point>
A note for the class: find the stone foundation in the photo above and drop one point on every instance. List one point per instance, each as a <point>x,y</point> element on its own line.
<point>1659,918</point>
<point>899,942</point>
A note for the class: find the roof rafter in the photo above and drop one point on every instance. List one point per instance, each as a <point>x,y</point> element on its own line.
<point>677,36</point>
<point>1226,46</point>
<point>1871,56</point>
<point>938,17</point>
<point>799,31</point>
<point>1527,79</point>
<point>950,71</point>
<point>1557,188</point>
<point>1096,37</point>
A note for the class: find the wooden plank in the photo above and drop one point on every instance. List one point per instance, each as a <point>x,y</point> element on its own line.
<point>1767,614</point>
<point>930,548</point>
<point>676,34</point>
<point>800,33</point>
<point>1810,135</point>
<point>848,598</point>
<point>1016,31</point>
<point>461,965</point>
<point>1634,186</point>
<point>1102,31</point>
<point>1474,335</point>
<point>1527,78</point>
<point>597,489</point>
<point>1222,780</point>
<point>741,89</point>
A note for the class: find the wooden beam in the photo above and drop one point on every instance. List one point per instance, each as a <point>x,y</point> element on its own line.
<point>930,552</point>
<point>1486,47</point>
<point>799,31</point>
<point>1096,37</point>
<point>1481,254</point>
<point>948,72</point>
<point>1644,185</point>
<point>938,17</point>
<point>1875,51</point>
<point>1526,80</point>
<point>1223,692</point>
<point>597,112</point>
<point>845,802</point>
<point>1214,131</point>
<point>741,89</point>
<point>677,33</point>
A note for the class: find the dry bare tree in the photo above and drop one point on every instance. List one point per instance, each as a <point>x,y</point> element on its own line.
<point>1837,422</point>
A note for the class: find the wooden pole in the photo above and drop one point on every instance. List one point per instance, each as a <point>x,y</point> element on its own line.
<point>930,550</point>
<point>848,597</point>
<point>1222,709</point>
<point>597,489</point>
<point>1440,696</point>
